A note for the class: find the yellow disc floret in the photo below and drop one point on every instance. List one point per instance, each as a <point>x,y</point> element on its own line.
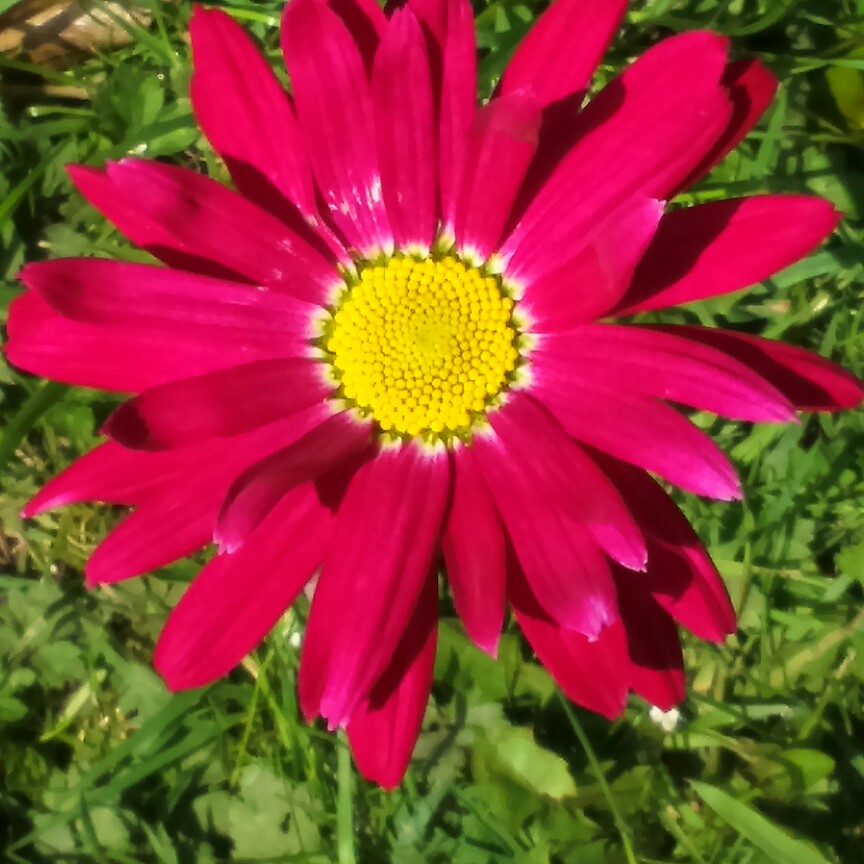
<point>423,346</point>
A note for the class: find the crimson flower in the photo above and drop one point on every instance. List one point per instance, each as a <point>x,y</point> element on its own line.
<point>391,345</point>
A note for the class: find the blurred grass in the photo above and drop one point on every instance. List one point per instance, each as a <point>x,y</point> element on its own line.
<point>99,763</point>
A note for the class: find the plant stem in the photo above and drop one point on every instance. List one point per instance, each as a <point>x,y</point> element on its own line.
<point>620,824</point>
<point>344,803</point>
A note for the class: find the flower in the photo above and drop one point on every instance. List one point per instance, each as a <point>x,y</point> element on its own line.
<point>391,345</point>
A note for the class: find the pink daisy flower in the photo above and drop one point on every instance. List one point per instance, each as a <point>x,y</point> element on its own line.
<point>391,346</point>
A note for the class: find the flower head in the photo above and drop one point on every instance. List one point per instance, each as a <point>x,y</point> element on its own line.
<point>391,345</point>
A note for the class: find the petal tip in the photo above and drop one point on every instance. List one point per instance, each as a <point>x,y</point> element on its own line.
<point>25,275</point>
<point>32,508</point>
<point>93,579</point>
<point>488,646</point>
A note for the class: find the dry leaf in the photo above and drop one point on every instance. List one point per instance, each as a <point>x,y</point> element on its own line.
<point>59,34</point>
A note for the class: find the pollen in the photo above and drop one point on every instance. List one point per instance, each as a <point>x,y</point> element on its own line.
<point>423,347</point>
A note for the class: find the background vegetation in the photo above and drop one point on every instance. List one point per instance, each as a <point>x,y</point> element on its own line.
<point>99,763</point>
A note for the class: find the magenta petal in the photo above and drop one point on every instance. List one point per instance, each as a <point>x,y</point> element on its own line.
<point>334,109</point>
<point>450,25</point>
<point>591,672</point>
<point>366,22</point>
<point>570,478</point>
<point>244,111</point>
<point>120,209</point>
<point>642,431</point>
<point>177,512</point>
<point>558,57</point>
<point>108,358</point>
<point>405,114</point>
<point>591,283</point>
<point>384,539</point>
<point>563,565</point>
<point>681,576</point>
<point>114,475</point>
<point>108,473</point>
<point>258,489</point>
<point>210,220</point>
<point>236,599</point>
<point>724,246</point>
<point>154,535</point>
<point>809,382</point>
<point>183,217</point>
<point>217,404</point>
<point>473,547</point>
<point>640,136</point>
<point>155,300</point>
<point>384,729</point>
<point>751,88</point>
<point>654,363</point>
<point>656,662</point>
<point>501,145</point>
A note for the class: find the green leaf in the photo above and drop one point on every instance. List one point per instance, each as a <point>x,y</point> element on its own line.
<point>514,752</point>
<point>762,833</point>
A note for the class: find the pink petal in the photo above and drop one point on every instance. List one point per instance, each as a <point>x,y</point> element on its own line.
<point>384,729</point>
<point>108,473</point>
<point>236,599</point>
<point>655,363</point>
<point>558,57</point>
<point>258,489</point>
<point>191,221</point>
<point>103,193</point>
<point>108,358</point>
<point>751,88</point>
<point>501,145</point>
<point>244,111</point>
<point>473,547</point>
<point>217,404</point>
<point>537,440</point>
<point>404,115</point>
<point>114,475</point>
<point>591,672</point>
<point>681,576</point>
<point>154,535</point>
<point>656,662</point>
<point>177,511</point>
<point>595,279</point>
<point>384,539</point>
<point>724,246</point>
<point>450,26</point>
<point>640,136</point>
<point>366,22</point>
<point>810,382</point>
<point>642,431</point>
<point>156,301</point>
<point>334,109</point>
<point>562,563</point>
<point>556,60</point>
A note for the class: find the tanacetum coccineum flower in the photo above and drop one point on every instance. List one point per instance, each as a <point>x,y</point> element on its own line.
<point>391,346</point>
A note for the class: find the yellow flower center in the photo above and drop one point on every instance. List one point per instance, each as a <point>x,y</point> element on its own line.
<point>424,347</point>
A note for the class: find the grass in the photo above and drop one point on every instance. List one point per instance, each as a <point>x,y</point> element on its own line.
<point>100,763</point>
